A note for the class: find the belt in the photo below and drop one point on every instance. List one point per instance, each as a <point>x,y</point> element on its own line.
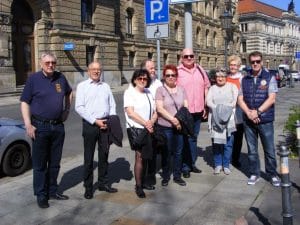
<point>43,120</point>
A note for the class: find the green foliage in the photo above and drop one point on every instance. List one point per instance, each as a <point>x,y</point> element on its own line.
<point>290,129</point>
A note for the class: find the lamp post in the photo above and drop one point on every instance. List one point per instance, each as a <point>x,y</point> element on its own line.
<point>226,24</point>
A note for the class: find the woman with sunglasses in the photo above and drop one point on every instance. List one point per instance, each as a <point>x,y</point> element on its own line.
<point>221,100</point>
<point>140,113</point>
<point>168,99</point>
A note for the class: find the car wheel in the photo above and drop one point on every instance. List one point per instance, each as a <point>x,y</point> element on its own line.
<point>16,160</point>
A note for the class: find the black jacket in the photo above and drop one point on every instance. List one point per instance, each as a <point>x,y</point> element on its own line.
<point>186,121</point>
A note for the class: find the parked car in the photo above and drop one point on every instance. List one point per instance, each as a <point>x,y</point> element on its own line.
<point>295,75</point>
<point>15,147</point>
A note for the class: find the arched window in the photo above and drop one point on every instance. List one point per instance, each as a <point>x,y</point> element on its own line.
<point>214,41</point>
<point>176,30</point>
<point>207,38</point>
<point>198,35</point>
<point>128,21</point>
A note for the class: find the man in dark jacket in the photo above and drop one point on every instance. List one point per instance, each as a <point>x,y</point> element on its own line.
<point>256,99</point>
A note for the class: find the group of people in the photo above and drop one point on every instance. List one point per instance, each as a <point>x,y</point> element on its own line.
<point>235,105</point>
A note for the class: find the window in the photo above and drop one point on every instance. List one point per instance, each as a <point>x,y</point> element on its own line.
<point>176,30</point>
<point>128,21</point>
<point>87,7</point>
<point>150,55</point>
<point>214,44</point>
<point>178,59</point>
<point>198,35</point>
<point>165,59</point>
<point>244,46</point>
<point>131,59</point>
<point>206,38</point>
<point>90,52</point>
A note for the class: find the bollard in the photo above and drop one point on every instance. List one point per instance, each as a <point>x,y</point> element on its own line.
<point>298,138</point>
<point>285,186</point>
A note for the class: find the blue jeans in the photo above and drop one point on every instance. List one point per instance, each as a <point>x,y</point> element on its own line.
<point>191,151</point>
<point>266,133</point>
<point>175,147</point>
<point>222,153</point>
<point>46,155</point>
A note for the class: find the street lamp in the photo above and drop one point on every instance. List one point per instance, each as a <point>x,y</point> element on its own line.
<point>226,23</point>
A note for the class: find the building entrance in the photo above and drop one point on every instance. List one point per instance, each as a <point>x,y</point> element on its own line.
<point>22,40</point>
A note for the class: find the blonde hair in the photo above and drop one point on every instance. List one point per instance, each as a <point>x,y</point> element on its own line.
<point>235,58</point>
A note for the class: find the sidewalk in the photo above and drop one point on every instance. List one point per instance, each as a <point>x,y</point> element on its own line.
<point>207,199</point>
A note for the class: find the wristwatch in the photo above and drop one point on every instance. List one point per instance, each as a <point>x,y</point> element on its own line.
<point>259,112</point>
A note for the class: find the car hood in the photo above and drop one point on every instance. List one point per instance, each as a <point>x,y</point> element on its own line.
<point>10,122</point>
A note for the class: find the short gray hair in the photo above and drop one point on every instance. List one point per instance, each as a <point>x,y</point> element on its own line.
<point>44,54</point>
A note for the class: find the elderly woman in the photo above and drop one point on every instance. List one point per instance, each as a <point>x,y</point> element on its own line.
<point>140,117</point>
<point>169,98</point>
<point>221,99</point>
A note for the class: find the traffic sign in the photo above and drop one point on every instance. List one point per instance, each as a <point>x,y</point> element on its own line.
<point>156,11</point>
<point>69,46</point>
<point>157,31</point>
<point>297,55</point>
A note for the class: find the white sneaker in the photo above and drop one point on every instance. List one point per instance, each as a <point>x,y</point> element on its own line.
<point>227,171</point>
<point>218,169</point>
<point>253,179</point>
<point>275,181</point>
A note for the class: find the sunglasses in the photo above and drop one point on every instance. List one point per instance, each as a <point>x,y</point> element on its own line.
<point>255,61</point>
<point>142,79</point>
<point>50,62</point>
<point>188,56</point>
<point>171,75</point>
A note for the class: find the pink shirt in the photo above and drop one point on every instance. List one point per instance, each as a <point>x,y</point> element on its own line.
<point>192,81</point>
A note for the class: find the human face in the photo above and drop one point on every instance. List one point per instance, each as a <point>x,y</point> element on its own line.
<point>141,82</point>
<point>170,78</point>
<point>221,79</point>
<point>256,64</point>
<point>234,67</point>
<point>94,71</point>
<point>48,64</point>
<point>150,66</point>
<point>188,58</point>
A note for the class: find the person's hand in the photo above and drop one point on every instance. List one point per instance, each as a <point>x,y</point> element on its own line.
<point>205,113</point>
<point>101,124</point>
<point>30,130</point>
<point>149,126</point>
<point>64,115</point>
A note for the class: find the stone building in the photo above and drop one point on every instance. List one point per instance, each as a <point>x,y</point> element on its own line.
<point>113,31</point>
<point>273,31</point>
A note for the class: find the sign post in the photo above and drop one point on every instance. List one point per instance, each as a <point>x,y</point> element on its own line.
<point>157,23</point>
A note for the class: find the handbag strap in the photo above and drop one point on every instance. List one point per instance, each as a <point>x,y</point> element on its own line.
<point>171,98</point>
<point>150,106</point>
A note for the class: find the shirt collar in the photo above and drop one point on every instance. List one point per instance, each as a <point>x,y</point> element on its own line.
<point>94,82</point>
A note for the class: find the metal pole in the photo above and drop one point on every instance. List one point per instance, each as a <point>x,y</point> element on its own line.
<point>285,186</point>
<point>298,138</point>
<point>157,35</point>
<point>188,25</point>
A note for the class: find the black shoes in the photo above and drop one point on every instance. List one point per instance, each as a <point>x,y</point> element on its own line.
<point>43,203</point>
<point>140,192</point>
<point>88,194</point>
<point>108,189</point>
<point>186,174</point>
<point>179,181</point>
<point>164,182</point>
<point>196,170</point>
<point>59,196</point>
<point>148,187</point>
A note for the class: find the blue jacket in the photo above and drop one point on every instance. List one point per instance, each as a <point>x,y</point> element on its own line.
<point>256,94</point>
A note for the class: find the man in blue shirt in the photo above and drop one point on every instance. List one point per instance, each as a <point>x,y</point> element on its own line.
<point>45,105</point>
<point>257,98</point>
<point>95,103</point>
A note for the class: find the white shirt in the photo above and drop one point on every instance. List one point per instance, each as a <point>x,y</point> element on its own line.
<point>140,104</point>
<point>94,100</point>
<point>156,83</point>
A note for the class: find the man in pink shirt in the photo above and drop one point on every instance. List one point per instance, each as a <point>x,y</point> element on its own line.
<point>196,83</point>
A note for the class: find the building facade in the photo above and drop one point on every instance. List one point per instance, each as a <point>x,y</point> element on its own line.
<point>113,31</point>
<point>274,32</point>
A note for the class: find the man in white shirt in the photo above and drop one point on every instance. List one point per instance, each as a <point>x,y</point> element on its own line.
<point>95,103</point>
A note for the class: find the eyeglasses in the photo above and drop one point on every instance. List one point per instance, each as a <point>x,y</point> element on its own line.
<point>187,56</point>
<point>142,79</point>
<point>50,62</point>
<point>171,75</point>
<point>255,61</point>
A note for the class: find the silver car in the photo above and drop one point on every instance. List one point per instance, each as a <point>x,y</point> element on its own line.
<point>15,147</point>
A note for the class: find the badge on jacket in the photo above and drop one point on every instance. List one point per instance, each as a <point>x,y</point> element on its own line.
<point>263,84</point>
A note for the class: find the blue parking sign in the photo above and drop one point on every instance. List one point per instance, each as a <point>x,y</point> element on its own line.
<point>156,11</point>
<point>297,55</point>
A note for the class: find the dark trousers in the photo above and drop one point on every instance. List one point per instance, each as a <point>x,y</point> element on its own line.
<point>149,169</point>
<point>92,134</point>
<point>46,155</point>
<point>237,143</point>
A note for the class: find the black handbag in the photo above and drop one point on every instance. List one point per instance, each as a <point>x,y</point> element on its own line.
<point>136,137</point>
<point>159,136</point>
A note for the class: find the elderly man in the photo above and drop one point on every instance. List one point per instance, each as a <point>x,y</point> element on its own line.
<point>45,105</point>
<point>196,83</point>
<point>257,98</point>
<point>95,103</point>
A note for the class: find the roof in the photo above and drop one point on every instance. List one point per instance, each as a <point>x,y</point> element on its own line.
<point>253,6</point>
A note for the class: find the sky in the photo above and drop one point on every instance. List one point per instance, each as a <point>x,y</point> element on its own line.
<point>283,4</point>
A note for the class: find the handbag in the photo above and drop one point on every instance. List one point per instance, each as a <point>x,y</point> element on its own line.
<point>136,136</point>
<point>159,136</point>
